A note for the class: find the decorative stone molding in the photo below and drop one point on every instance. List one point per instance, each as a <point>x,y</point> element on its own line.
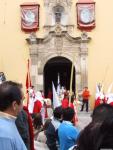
<point>57,2</point>
<point>57,9</point>
<point>32,38</point>
<point>58,41</point>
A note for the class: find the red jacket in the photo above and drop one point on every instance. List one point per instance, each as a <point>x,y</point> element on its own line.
<point>85,94</point>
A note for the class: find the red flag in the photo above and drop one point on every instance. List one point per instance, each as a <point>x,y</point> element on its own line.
<point>28,82</point>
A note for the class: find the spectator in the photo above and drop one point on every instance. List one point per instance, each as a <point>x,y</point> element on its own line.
<point>11,99</point>
<point>23,127</point>
<point>90,136</point>
<point>105,139</point>
<point>67,133</point>
<point>52,130</point>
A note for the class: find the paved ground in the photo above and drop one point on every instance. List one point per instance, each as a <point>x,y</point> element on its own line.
<point>83,119</point>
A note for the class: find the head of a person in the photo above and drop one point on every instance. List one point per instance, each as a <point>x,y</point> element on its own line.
<point>68,114</point>
<point>57,113</point>
<point>37,120</point>
<point>97,136</point>
<point>46,124</point>
<point>85,88</point>
<point>106,134</point>
<point>102,112</point>
<point>91,137</point>
<point>11,97</point>
<point>88,137</point>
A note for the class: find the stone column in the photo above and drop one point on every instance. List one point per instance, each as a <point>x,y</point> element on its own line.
<point>34,67</point>
<point>84,65</point>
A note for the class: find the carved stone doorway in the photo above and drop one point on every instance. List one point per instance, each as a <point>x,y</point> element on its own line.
<point>58,65</point>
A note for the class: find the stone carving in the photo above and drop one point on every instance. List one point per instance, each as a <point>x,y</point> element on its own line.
<point>58,30</point>
<point>84,36</point>
<point>49,2</point>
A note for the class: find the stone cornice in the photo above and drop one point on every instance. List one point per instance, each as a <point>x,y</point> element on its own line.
<point>35,40</point>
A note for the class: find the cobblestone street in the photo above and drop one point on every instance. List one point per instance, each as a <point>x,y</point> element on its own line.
<point>83,119</point>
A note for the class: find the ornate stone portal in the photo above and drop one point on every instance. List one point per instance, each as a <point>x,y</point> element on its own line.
<point>58,42</point>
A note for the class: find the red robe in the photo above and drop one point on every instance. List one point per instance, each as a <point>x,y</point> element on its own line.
<point>111,103</point>
<point>99,101</point>
<point>37,107</point>
<point>65,103</point>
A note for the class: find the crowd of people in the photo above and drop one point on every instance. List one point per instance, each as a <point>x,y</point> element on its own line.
<point>40,127</point>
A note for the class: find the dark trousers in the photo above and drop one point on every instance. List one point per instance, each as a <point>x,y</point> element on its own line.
<point>85,102</point>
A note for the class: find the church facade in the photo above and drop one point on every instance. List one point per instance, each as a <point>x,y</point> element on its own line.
<point>57,45</point>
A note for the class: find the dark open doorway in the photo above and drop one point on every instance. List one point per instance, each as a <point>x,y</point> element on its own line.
<point>54,66</point>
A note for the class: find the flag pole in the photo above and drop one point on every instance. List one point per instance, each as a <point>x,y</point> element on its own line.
<point>28,81</point>
<point>71,80</point>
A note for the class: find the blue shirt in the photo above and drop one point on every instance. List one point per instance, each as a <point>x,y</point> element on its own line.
<point>9,135</point>
<point>67,134</point>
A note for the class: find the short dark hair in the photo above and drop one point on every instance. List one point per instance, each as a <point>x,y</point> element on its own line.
<point>58,112</point>
<point>86,87</point>
<point>37,120</point>
<point>101,112</point>
<point>9,91</point>
<point>68,114</point>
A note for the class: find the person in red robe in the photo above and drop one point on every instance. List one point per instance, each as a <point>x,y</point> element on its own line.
<point>38,102</point>
<point>65,101</point>
<point>100,99</point>
<point>37,106</point>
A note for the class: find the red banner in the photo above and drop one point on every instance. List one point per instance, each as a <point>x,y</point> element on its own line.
<point>86,16</point>
<point>29,17</point>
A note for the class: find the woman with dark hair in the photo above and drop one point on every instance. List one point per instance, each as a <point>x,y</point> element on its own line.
<point>99,133</point>
<point>106,134</point>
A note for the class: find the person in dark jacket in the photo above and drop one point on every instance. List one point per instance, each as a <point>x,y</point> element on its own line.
<point>52,130</point>
<point>23,128</point>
